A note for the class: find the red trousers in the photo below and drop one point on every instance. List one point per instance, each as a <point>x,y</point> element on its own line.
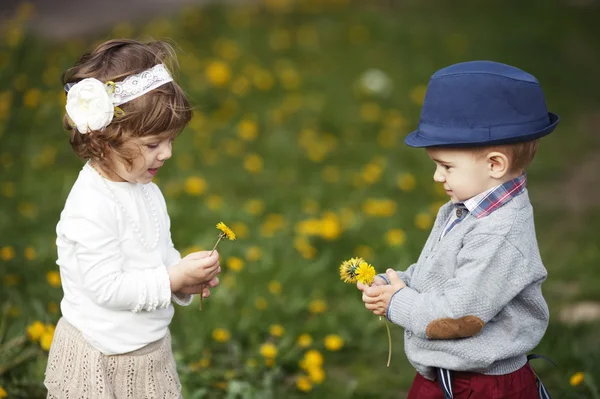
<point>520,384</point>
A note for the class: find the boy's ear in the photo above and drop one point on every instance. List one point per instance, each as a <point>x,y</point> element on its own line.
<point>497,164</point>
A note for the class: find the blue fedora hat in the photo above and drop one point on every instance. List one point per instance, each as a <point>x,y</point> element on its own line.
<point>481,103</point>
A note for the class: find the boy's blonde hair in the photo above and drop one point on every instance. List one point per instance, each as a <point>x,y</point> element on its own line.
<point>520,155</point>
<point>162,112</point>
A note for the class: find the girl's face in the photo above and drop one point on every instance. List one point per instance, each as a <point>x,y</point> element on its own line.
<point>154,152</point>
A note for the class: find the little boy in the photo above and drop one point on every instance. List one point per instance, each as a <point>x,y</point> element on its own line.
<point>472,305</point>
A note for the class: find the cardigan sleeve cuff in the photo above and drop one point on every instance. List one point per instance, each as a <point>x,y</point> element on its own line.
<point>400,307</point>
<point>182,300</point>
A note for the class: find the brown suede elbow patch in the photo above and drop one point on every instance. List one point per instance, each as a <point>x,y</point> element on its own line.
<point>466,326</point>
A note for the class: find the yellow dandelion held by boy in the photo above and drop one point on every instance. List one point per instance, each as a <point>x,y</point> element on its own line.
<point>357,270</point>
<point>226,232</point>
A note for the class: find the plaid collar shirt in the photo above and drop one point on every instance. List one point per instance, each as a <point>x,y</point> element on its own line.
<point>487,202</point>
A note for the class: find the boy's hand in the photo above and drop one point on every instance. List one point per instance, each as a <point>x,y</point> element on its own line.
<point>378,281</point>
<point>377,297</point>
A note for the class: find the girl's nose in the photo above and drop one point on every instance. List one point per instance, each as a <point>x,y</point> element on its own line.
<point>165,153</point>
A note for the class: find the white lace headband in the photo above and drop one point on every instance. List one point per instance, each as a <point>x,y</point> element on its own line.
<point>91,104</point>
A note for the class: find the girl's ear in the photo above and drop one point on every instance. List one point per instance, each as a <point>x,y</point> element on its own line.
<point>498,164</point>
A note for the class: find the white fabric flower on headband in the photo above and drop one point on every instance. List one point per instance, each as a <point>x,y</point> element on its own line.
<point>89,105</point>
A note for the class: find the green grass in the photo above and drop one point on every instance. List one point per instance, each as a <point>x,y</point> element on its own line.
<point>329,50</point>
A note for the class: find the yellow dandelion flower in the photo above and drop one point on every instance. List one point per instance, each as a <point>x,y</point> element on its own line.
<point>395,237</point>
<point>8,189</point>
<point>221,335</point>
<point>218,73</point>
<point>3,393</point>
<point>317,306</point>
<point>268,350</point>
<point>406,182</point>
<point>254,207</point>
<point>30,253</point>
<point>53,278</point>
<point>576,379</point>
<point>234,263</point>
<point>253,163</point>
<point>333,342</point>
<point>276,330</point>
<point>46,340</point>
<point>423,220</point>
<point>214,202</point>
<point>312,358</point>
<point>303,383</point>
<point>261,303</point>
<point>316,374</point>
<point>348,269</point>
<point>226,231</point>
<point>7,253</point>
<point>247,129</point>
<point>274,287</point>
<point>36,330</point>
<point>304,340</point>
<point>365,273</point>
<point>195,185</point>
<point>253,254</point>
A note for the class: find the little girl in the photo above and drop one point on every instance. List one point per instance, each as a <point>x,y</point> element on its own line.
<point>118,266</point>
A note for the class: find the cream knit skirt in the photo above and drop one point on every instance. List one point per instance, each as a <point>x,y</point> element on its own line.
<point>78,371</point>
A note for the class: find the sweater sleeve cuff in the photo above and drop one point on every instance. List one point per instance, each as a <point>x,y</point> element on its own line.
<point>400,307</point>
<point>155,290</point>
<point>384,276</point>
<point>185,300</point>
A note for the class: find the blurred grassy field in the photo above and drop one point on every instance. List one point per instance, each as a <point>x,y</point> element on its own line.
<point>300,151</point>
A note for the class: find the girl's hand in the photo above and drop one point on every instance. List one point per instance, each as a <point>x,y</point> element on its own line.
<point>195,289</point>
<point>196,268</point>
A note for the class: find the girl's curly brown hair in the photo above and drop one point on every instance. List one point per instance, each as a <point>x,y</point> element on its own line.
<point>162,112</point>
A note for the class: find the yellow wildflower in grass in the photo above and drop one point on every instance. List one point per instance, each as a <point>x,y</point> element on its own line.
<point>240,228</point>
<point>254,207</point>
<point>235,264</point>
<point>370,112</point>
<point>8,189</point>
<point>261,303</point>
<point>333,342</point>
<point>46,339</point>
<point>312,358</point>
<point>3,393</point>
<point>303,383</point>
<point>247,130</point>
<point>52,307</point>
<point>263,79</point>
<point>36,330</point>
<point>330,226</point>
<point>406,182</point>
<point>27,209</point>
<point>221,335</point>
<point>304,340</point>
<point>268,350</point>
<point>31,99</point>
<point>395,237</point>
<point>214,202</point>
<point>7,253</point>
<point>53,278</point>
<point>423,220</point>
<point>302,245</point>
<point>240,86</point>
<point>365,273</point>
<point>417,94</point>
<point>576,379</point>
<point>379,207</point>
<point>218,73</point>
<point>195,185</point>
<point>276,330</point>
<point>317,306</point>
<point>253,254</point>
<point>30,253</point>
<point>253,163</point>
<point>316,374</point>
<point>274,287</point>
<point>11,280</point>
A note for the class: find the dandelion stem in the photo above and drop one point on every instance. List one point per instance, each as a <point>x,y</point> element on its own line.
<point>387,327</point>
<point>211,252</point>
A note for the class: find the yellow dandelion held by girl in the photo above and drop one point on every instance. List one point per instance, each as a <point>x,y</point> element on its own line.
<point>226,232</point>
<point>357,270</point>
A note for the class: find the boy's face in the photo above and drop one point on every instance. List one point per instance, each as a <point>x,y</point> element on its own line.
<point>154,152</point>
<point>463,174</point>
